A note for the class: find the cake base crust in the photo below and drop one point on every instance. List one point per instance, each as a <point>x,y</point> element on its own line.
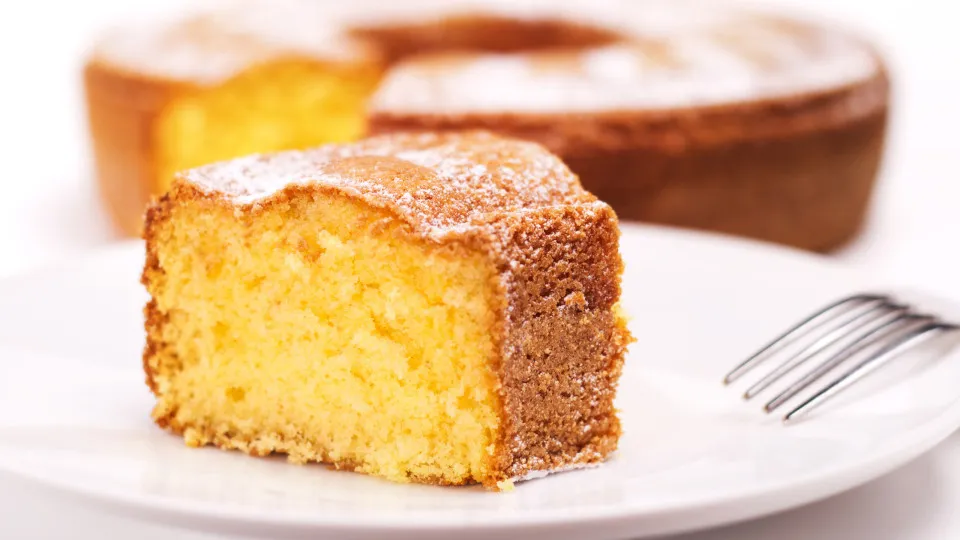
<point>592,455</point>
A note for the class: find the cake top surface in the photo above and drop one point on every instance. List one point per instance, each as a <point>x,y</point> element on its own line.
<point>674,54</point>
<point>211,43</point>
<point>671,53</point>
<point>438,183</point>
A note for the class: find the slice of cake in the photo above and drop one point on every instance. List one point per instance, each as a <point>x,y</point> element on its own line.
<point>426,308</point>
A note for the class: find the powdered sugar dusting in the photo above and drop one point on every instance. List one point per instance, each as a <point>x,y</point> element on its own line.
<point>440,183</point>
<point>213,43</point>
<point>674,54</point>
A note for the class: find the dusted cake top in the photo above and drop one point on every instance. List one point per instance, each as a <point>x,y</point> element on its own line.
<point>209,45</point>
<point>439,183</point>
<point>675,54</point>
<point>665,53</point>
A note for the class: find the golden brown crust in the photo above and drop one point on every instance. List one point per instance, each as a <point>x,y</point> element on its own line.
<point>121,110</point>
<point>810,190</point>
<point>561,341</point>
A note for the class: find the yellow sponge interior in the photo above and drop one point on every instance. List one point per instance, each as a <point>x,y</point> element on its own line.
<point>319,330</point>
<point>276,106</point>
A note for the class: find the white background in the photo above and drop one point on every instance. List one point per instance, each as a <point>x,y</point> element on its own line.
<point>48,210</point>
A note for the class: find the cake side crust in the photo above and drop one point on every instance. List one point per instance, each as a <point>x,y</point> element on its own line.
<point>565,339</point>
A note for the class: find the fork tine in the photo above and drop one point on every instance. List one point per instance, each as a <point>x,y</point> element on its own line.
<point>832,337</point>
<point>866,366</point>
<point>815,320</point>
<point>861,343</point>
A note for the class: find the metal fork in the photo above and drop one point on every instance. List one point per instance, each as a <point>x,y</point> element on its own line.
<point>864,331</point>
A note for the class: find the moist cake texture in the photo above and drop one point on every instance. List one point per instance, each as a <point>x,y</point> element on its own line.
<point>710,116</point>
<point>437,308</point>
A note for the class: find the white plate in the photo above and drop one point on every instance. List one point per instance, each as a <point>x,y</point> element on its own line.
<point>74,414</point>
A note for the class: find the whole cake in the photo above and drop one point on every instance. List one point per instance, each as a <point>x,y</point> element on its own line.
<point>439,308</point>
<point>702,115</point>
